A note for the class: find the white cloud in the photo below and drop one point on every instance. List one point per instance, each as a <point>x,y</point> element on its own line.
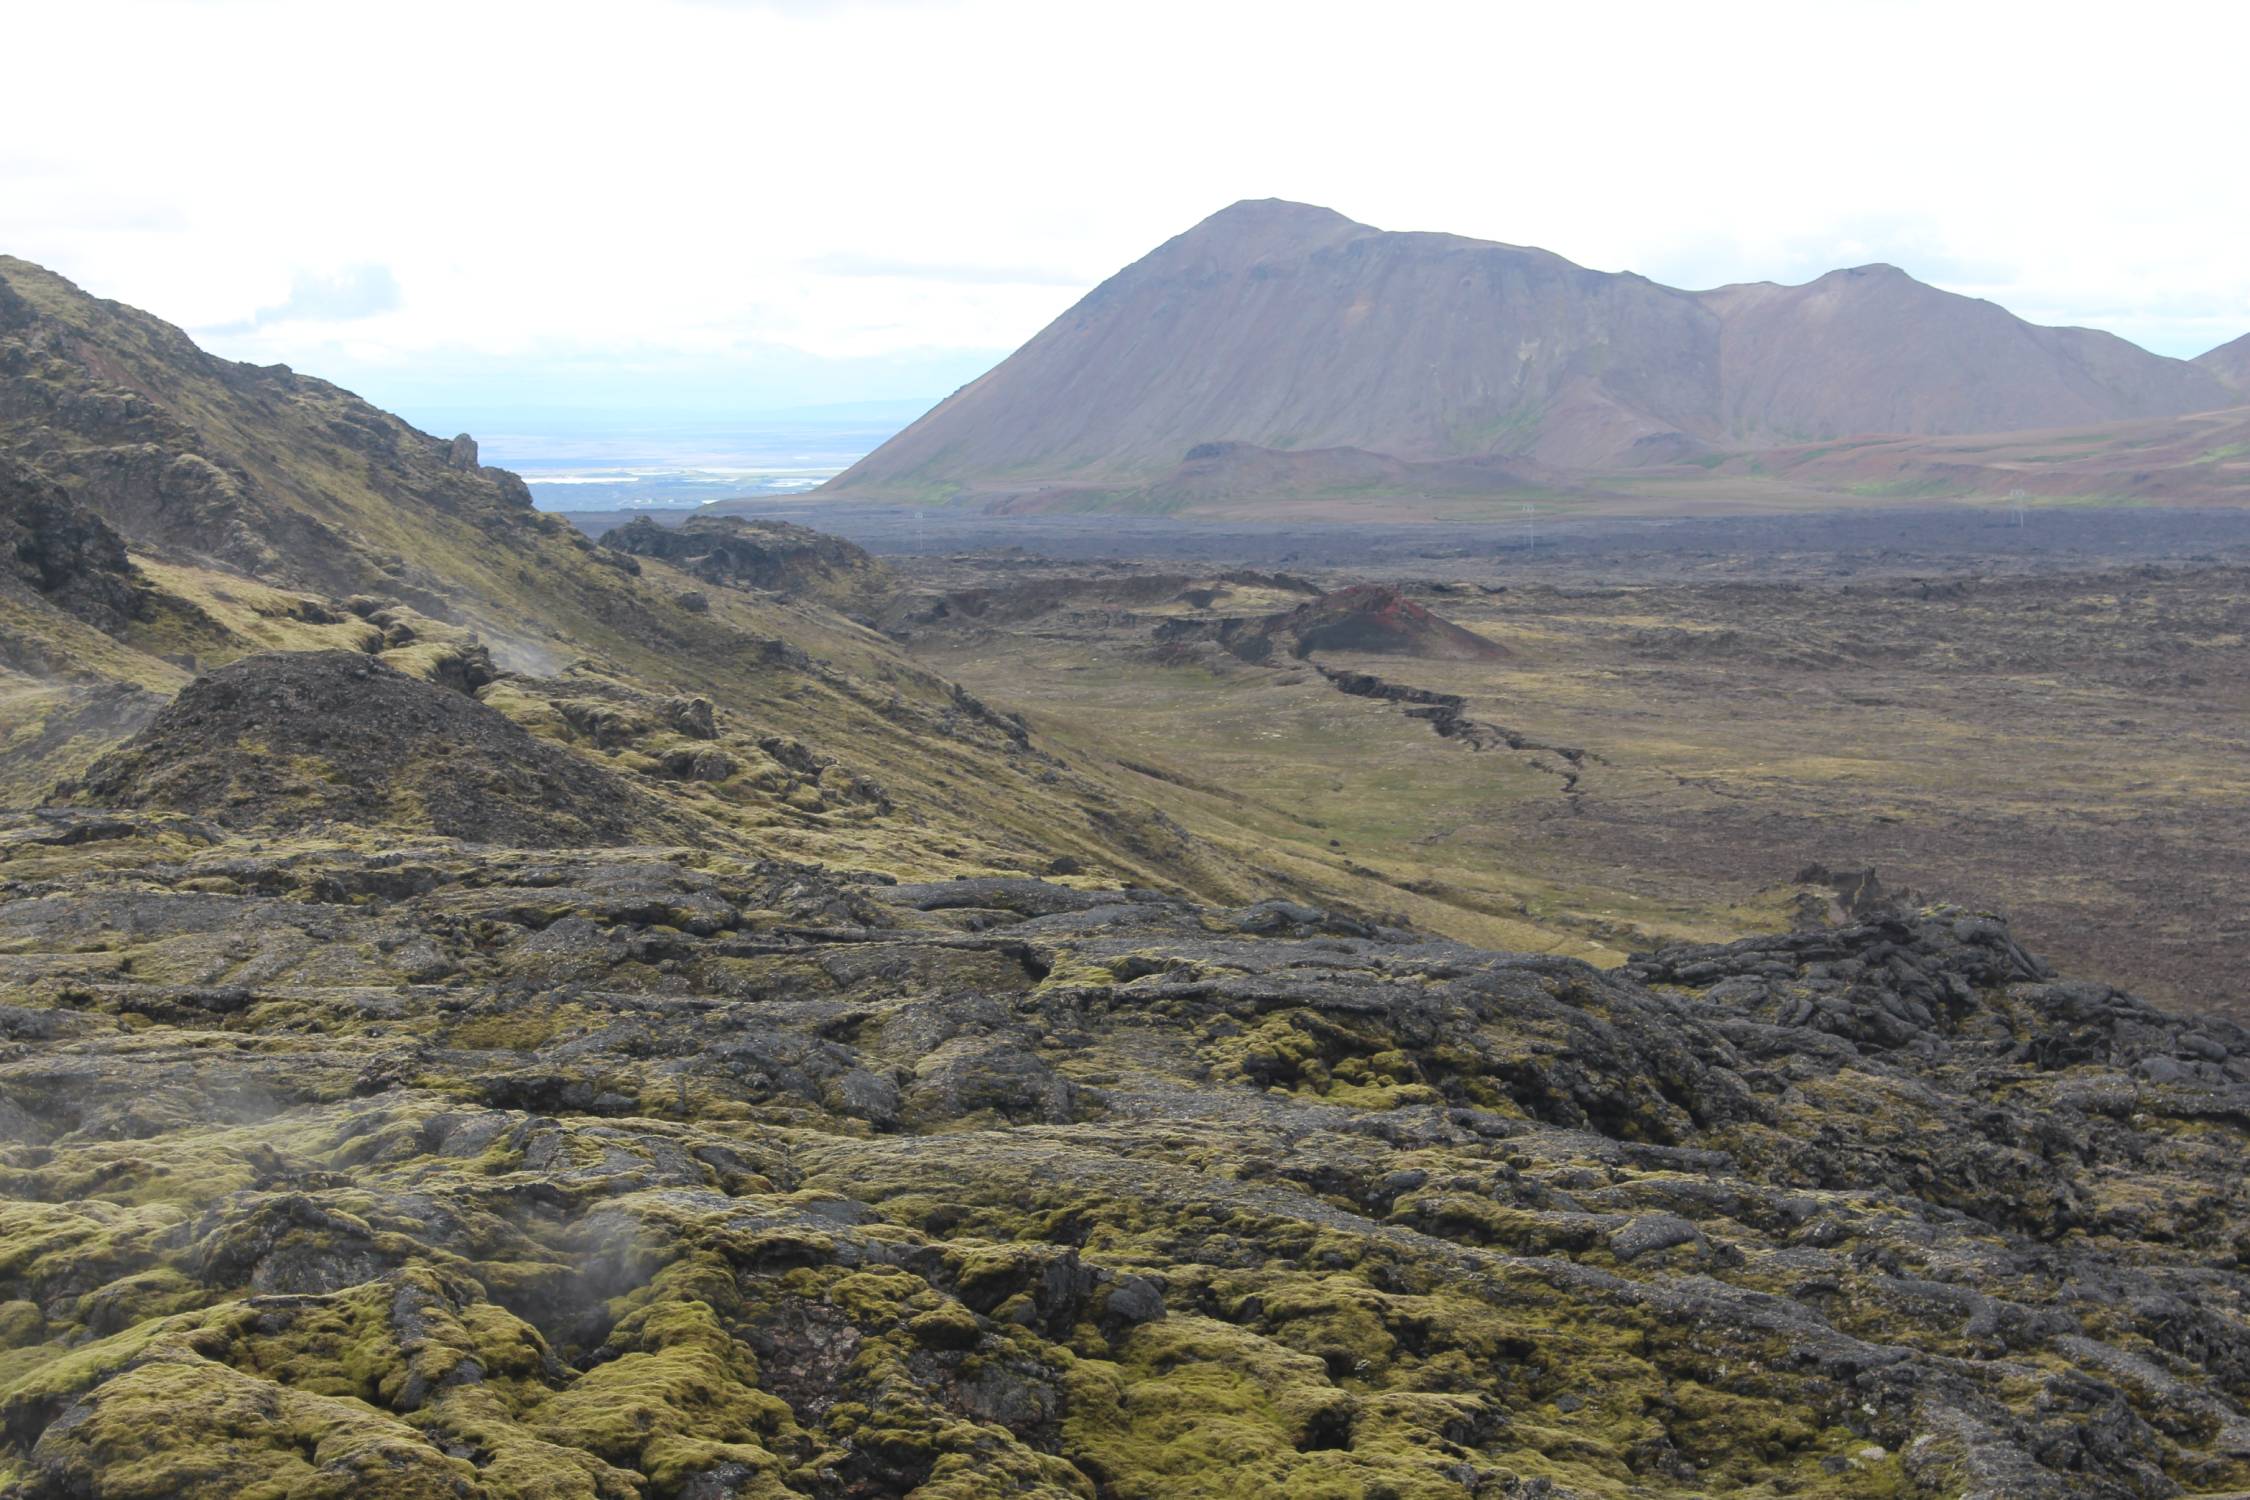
<point>345,295</point>
<point>888,269</point>
<point>703,188</point>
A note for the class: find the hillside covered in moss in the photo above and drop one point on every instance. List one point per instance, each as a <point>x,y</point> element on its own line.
<point>489,1016</point>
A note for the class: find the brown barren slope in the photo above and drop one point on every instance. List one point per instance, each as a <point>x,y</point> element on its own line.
<point>1873,350</point>
<point>1280,326</point>
<point>2230,362</point>
<point>2200,459</point>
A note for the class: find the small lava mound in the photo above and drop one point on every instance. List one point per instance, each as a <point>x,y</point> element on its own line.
<point>293,740</point>
<point>775,556</point>
<point>1369,618</point>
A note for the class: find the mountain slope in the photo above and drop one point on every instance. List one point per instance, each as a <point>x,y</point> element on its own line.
<point>1872,350</point>
<point>2199,459</point>
<point>204,460</point>
<point>1282,326</point>
<point>169,516</point>
<point>2230,363</point>
<point>1286,326</point>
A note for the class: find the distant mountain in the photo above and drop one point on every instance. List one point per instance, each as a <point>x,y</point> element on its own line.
<point>2231,363</point>
<point>1283,326</point>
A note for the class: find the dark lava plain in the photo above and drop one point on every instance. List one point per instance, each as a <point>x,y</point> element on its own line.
<point>2045,713</point>
<point>1939,539</point>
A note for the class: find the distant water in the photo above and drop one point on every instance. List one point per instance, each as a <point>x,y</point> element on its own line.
<point>625,466</point>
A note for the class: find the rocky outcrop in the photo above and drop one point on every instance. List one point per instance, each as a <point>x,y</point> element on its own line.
<point>61,551</point>
<point>318,739</point>
<point>774,556</point>
<point>1366,618</point>
<point>1855,895</point>
<point>173,500</point>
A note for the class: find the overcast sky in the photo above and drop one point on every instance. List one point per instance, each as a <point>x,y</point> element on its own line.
<point>739,206</point>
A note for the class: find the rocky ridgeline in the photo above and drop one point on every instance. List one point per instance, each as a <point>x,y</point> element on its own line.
<point>453,1170</point>
<point>773,556</point>
<point>257,470</point>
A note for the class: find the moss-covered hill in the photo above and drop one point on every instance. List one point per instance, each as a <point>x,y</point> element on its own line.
<point>530,1023</point>
<point>223,511</point>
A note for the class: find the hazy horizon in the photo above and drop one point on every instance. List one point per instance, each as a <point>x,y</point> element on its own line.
<point>597,461</point>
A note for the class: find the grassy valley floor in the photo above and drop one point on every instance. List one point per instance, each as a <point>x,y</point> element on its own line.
<point>2066,743</point>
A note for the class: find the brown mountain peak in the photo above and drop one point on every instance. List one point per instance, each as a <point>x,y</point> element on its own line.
<point>1285,327</point>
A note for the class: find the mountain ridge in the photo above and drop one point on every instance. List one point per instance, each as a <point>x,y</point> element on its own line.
<point>170,514</point>
<point>2230,362</point>
<point>1286,326</point>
